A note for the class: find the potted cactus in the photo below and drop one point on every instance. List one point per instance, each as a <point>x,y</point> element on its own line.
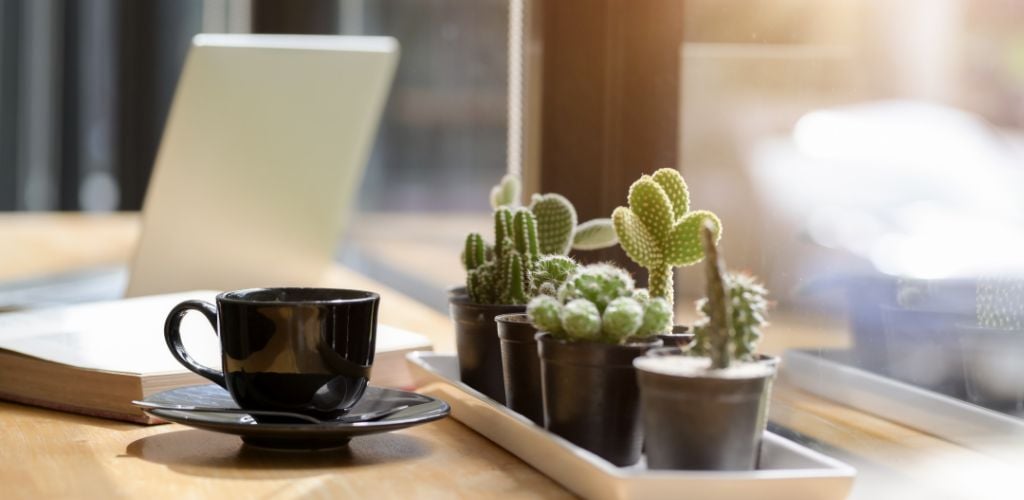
<point>590,332</point>
<point>517,336</point>
<point>709,411</point>
<point>992,350</point>
<point>659,232</point>
<point>526,257</point>
<point>500,279</point>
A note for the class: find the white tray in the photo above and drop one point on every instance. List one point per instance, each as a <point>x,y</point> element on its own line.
<point>967,424</point>
<point>789,471</point>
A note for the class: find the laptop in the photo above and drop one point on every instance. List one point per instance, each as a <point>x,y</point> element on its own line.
<point>264,146</point>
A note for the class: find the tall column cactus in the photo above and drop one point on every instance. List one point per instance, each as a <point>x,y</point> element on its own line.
<point>718,306</point>
<point>506,278</point>
<point>658,231</point>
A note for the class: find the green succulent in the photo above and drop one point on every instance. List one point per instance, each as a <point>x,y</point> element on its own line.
<point>598,303</point>
<point>513,270</point>
<point>658,231</point>
<point>732,315</point>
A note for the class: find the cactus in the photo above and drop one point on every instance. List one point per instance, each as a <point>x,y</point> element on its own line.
<point>556,220</point>
<point>514,269</point>
<point>732,314</point>
<point>598,303</point>
<point>507,193</point>
<point>558,231</point>
<point>1000,303</point>
<point>658,231</point>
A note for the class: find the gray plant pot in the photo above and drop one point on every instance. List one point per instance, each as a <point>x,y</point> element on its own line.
<point>700,420</point>
<point>476,341</point>
<point>521,366</point>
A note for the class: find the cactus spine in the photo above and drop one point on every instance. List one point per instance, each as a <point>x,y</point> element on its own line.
<point>507,192</point>
<point>658,231</point>
<point>733,313</point>
<point>599,304</point>
<point>515,268</point>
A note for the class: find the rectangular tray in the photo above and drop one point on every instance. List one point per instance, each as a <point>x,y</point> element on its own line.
<point>823,373</point>
<point>789,471</point>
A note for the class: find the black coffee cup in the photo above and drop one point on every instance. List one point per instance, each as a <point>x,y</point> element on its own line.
<point>305,350</point>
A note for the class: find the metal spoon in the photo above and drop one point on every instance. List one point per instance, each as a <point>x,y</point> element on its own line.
<point>363,417</point>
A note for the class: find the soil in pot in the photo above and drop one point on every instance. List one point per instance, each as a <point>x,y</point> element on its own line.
<point>521,366</point>
<point>591,397</point>
<point>701,419</point>
<point>476,340</point>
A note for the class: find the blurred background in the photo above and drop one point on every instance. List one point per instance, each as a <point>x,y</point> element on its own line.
<point>865,156</point>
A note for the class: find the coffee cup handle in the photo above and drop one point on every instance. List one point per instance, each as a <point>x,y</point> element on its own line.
<point>172,334</point>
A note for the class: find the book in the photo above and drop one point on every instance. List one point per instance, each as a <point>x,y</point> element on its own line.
<point>96,358</point>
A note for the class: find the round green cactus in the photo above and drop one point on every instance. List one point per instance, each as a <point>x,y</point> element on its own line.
<point>545,313</point>
<point>600,284</point>
<point>581,320</point>
<point>658,231</point>
<point>657,318</point>
<point>622,317</point>
<point>598,303</point>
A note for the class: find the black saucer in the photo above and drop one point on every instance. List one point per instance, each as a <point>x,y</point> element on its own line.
<point>295,436</point>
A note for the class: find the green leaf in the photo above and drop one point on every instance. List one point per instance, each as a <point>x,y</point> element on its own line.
<point>675,188</point>
<point>638,244</point>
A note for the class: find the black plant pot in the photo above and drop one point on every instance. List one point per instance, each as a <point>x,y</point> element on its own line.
<point>591,397</point>
<point>476,340</point>
<point>699,421</point>
<point>680,337</point>
<point>993,369</point>
<point>456,291</point>
<point>521,366</point>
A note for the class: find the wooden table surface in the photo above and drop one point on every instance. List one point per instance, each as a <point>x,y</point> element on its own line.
<point>48,454</point>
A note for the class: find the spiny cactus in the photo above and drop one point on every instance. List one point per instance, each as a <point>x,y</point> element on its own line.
<point>513,269</point>
<point>658,231</point>
<point>598,303</point>
<point>558,231</point>
<point>507,193</point>
<point>556,219</point>
<point>506,278</point>
<point>1000,303</point>
<point>732,315</point>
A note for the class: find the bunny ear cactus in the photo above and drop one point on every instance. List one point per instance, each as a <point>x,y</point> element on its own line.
<point>658,231</point>
<point>507,193</point>
<point>598,304</point>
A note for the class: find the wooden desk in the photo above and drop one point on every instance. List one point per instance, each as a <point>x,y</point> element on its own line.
<point>50,454</point>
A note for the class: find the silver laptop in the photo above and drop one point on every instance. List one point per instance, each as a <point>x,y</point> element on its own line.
<point>264,146</point>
